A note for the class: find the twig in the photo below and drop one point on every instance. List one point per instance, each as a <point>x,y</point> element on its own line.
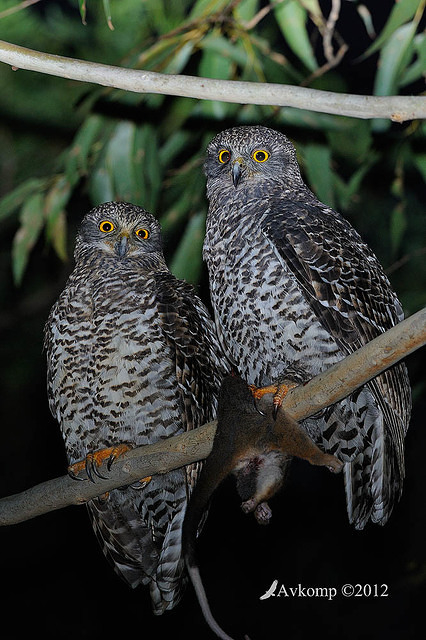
<point>329,32</point>
<point>260,15</point>
<point>17,7</point>
<point>325,389</point>
<point>327,66</point>
<point>402,261</point>
<point>397,108</point>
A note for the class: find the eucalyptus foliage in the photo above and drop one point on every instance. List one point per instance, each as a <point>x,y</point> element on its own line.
<point>149,149</point>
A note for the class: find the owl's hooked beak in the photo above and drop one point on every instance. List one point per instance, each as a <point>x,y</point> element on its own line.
<point>236,172</point>
<point>122,246</point>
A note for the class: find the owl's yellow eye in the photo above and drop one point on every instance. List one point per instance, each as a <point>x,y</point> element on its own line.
<point>260,155</point>
<point>106,226</point>
<point>142,233</point>
<point>224,156</point>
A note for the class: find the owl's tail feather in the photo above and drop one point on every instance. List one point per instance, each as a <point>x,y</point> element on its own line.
<point>169,581</point>
<point>373,481</point>
<point>140,533</point>
<point>117,526</point>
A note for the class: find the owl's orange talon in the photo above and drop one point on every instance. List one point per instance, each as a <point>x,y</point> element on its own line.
<point>115,453</point>
<point>259,392</point>
<point>93,461</point>
<point>141,484</point>
<point>279,390</point>
<point>74,469</point>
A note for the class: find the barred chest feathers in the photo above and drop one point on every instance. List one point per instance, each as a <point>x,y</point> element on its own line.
<point>258,304</point>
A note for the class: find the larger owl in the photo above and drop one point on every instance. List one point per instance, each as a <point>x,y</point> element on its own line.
<point>132,358</point>
<point>295,289</point>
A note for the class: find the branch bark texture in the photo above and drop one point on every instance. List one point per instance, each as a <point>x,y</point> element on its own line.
<point>325,389</point>
<point>397,108</point>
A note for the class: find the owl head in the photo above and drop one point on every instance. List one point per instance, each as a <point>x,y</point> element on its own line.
<point>243,157</point>
<point>120,230</point>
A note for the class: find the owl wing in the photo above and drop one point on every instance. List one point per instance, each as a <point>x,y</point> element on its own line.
<point>66,343</point>
<point>346,288</point>
<point>200,364</point>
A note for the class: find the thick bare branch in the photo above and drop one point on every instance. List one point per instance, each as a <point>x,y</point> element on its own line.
<point>397,108</point>
<point>325,389</point>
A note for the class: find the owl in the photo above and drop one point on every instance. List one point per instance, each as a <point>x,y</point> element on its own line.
<point>132,358</point>
<point>295,289</point>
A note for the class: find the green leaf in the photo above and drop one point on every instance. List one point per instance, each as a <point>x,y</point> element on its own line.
<point>119,161</point>
<point>353,142</point>
<point>174,216</point>
<point>207,7</point>
<point>187,261</point>
<point>394,57</point>
<point>179,59</point>
<point>173,121</point>
<point>290,116</point>
<point>347,191</point>
<point>54,205</point>
<point>313,7</point>
<point>214,64</point>
<point>292,19</point>
<point>317,165</point>
<point>417,69</point>
<point>77,162</point>
<point>147,166</point>
<point>82,7</point>
<point>246,10</point>
<point>58,232</point>
<point>107,11</point>
<point>402,11</point>
<point>32,221</point>
<point>101,187</point>
<point>13,200</point>
<point>223,48</point>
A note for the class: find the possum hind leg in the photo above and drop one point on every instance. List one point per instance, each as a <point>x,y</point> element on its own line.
<point>258,479</point>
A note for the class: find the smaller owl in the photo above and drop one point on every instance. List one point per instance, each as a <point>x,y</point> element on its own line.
<point>132,358</point>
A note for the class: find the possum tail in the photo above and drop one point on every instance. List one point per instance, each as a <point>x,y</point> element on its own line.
<point>211,476</point>
<point>197,583</point>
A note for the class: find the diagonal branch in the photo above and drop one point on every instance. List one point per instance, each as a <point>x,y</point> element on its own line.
<point>397,108</point>
<point>325,389</point>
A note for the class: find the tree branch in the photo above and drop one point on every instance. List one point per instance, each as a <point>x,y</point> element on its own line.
<point>397,108</point>
<point>302,401</point>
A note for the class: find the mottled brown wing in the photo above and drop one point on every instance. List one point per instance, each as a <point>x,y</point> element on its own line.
<point>346,287</point>
<point>200,363</point>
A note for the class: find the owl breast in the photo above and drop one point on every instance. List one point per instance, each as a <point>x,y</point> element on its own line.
<point>264,321</point>
<point>112,377</point>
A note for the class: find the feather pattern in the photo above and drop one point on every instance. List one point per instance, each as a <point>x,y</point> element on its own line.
<point>294,288</point>
<point>132,358</point>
